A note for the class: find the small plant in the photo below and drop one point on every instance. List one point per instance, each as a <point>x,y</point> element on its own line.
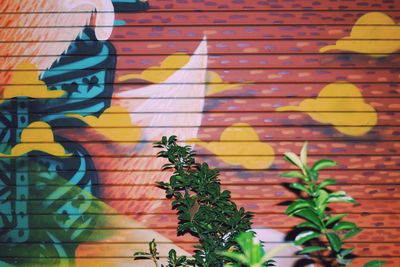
<point>321,232</point>
<point>252,255</point>
<point>204,211</point>
<point>153,254</point>
<point>173,260</point>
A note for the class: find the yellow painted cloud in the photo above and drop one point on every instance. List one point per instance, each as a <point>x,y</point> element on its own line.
<point>158,74</point>
<point>370,35</point>
<point>170,65</point>
<point>113,124</point>
<point>38,136</point>
<point>25,75</point>
<point>346,100</point>
<point>242,141</point>
<point>217,85</point>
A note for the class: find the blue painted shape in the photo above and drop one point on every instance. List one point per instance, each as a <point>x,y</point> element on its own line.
<point>119,22</point>
<point>130,5</point>
<point>87,81</point>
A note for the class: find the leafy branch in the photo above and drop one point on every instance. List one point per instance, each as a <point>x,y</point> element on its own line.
<point>173,260</point>
<point>321,231</point>
<point>153,254</point>
<point>204,210</point>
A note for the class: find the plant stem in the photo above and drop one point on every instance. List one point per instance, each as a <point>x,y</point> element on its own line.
<point>155,261</point>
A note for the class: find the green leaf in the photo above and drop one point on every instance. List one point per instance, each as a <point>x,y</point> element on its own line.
<point>294,159</point>
<point>293,174</point>
<point>164,140</point>
<point>310,216</point>
<point>251,249</point>
<point>346,252</point>
<point>326,183</point>
<point>172,255</point>
<point>141,256</point>
<point>183,228</point>
<point>311,249</point>
<point>299,187</point>
<point>334,241</point>
<point>375,263</point>
<point>172,139</point>
<point>323,163</point>
<point>181,260</point>
<point>307,225</point>
<point>341,196</point>
<point>344,226</point>
<point>305,236</point>
<point>296,205</point>
<point>303,154</point>
<point>312,174</point>
<point>322,199</point>
<point>153,247</point>
<point>351,233</point>
<point>335,218</point>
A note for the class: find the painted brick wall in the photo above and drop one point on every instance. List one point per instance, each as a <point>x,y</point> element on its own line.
<point>87,86</point>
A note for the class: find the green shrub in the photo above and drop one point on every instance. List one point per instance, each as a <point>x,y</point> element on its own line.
<point>203,209</point>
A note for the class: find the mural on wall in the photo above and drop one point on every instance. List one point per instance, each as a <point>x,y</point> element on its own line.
<point>49,182</point>
<point>80,108</point>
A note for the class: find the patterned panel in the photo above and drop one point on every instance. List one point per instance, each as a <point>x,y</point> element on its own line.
<point>87,81</point>
<point>14,219</point>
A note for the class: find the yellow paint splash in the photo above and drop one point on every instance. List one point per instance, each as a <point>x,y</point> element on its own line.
<point>345,99</point>
<point>158,74</point>
<point>242,141</point>
<point>370,35</point>
<point>217,85</point>
<point>113,124</point>
<point>25,75</point>
<point>38,136</point>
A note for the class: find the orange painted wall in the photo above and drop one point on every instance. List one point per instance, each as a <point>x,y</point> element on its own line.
<point>243,81</point>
